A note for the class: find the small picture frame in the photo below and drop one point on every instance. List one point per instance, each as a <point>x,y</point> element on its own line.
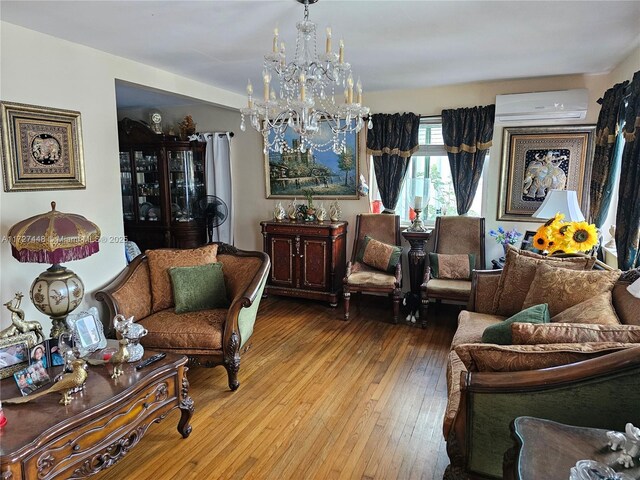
<point>87,331</point>
<point>31,378</point>
<point>527,242</point>
<point>13,358</point>
<point>54,356</point>
<point>39,354</point>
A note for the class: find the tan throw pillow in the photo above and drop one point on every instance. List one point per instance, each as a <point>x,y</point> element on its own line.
<point>483,357</point>
<point>379,255</point>
<point>452,267</point>
<point>518,273</point>
<point>596,310</point>
<point>533,334</point>
<point>561,288</point>
<point>627,306</point>
<point>161,260</point>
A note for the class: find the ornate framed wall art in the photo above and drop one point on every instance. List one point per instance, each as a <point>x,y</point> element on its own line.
<point>536,160</point>
<point>323,173</point>
<point>41,148</point>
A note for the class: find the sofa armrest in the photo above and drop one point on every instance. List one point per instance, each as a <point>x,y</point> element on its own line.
<point>129,294</point>
<point>483,288</point>
<point>602,392</point>
<point>245,276</point>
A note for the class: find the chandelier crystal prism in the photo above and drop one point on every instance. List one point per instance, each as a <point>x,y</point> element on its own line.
<point>306,99</point>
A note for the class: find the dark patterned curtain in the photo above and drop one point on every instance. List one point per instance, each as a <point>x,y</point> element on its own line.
<point>603,169</point>
<point>392,141</point>
<point>467,134</point>
<point>628,214</point>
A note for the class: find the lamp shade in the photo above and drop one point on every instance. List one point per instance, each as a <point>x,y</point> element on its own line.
<point>54,237</point>
<point>560,201</point>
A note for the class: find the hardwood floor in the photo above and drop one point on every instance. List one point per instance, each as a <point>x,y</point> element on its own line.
<point>319,398</point>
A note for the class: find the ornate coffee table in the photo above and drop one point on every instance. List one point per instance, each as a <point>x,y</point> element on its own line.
<point>44,439</point>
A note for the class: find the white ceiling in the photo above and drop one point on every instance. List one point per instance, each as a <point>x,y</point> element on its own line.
<point>392,44</point>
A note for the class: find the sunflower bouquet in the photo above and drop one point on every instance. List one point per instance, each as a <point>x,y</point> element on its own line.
<point>556,236</point>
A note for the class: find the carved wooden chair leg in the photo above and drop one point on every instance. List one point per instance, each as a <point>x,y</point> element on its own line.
<point>232,367</point>
<point>347,301</point>
<point>424,307</point>
<point>397,296</point>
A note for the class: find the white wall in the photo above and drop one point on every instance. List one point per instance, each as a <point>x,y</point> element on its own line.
<point>42,70</point>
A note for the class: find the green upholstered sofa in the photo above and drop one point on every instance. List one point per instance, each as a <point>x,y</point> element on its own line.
<point>602,392</point>
<point>208,337</point>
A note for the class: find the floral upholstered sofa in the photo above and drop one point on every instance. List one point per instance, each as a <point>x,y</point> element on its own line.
<point>208,336</point>
<point>583,368</point>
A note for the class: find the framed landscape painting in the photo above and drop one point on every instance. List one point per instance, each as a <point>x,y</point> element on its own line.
<point>322,173</point>
<point>536,160</point>
<point>41,148</point>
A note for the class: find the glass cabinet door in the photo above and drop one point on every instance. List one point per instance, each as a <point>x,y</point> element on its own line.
<point>126,185</point>
<point>187,184</point>
<point>148,185</point>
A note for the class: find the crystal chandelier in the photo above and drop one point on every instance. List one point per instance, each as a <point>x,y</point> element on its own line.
<point>306,101</point>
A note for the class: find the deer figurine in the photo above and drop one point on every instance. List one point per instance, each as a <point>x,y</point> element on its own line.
<point>18,321</point>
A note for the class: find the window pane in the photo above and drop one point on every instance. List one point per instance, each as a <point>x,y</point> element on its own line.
<point>429,176</point>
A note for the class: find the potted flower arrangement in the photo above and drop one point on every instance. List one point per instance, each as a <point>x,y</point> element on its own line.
<point>556,236</point>
<point>505,237</point>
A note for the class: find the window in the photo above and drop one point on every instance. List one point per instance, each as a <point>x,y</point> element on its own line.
<point>429,176</point>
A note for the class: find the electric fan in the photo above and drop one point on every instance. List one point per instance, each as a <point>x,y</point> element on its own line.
<point>215,212</point>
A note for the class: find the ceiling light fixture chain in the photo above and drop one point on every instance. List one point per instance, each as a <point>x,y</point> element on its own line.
<point>306,99</point>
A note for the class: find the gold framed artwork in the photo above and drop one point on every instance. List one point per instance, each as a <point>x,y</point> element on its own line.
<point>536,160</point>
<point>322,173</point>
<point>41,148</point>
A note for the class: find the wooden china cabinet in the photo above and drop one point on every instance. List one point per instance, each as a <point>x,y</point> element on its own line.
<point>162,182</point>
<point>308,259</point>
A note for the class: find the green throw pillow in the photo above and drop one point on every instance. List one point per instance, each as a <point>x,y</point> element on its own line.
<point>198,288</point>
<point>500,333</point>
<point>379,255</point>
<point>452,267</point>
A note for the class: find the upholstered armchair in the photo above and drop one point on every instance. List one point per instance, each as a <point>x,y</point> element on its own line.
<point>360,276</point>
<point>208,337</point>
<point>457,235</point>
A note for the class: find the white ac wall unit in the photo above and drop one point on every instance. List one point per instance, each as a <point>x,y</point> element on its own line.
<point>559,105</point>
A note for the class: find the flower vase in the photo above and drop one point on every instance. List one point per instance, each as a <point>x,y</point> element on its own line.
<point>504,249</point>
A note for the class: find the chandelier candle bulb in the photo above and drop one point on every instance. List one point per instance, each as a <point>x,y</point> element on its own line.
<point>359,90</point>
<point>267,78</point>
<point>303,88</point>
<point>328,39</point>
<point>350,85</point>
<point>341,56</point>
<point>275,40</point>
<point>249,94</point>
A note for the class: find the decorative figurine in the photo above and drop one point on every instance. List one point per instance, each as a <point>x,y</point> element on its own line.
<point>117,359</point>
<point>292,210</point>
<point>19,324</point>
<point>334,211</point>
<point>321,213</point>
<point>612,241</point>
<point>133,333</point>
<point>278,212</point>
<point>65,386</point>
<point>628,442</point>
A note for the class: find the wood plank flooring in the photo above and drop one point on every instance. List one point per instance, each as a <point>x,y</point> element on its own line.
<point>319,398</point>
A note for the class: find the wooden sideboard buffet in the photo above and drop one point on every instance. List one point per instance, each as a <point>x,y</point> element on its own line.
<point>46,440</point>
<point>308,260</point>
